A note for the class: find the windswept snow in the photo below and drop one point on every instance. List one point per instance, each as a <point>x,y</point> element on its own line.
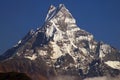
<point>56,51</point>
<point>104,49</point>
<point>113,64</point>
<point>70,20</point>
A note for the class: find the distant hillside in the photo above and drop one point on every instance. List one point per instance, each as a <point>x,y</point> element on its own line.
<point>14,76</point>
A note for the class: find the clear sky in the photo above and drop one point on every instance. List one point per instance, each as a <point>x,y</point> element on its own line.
<point>99,17</point>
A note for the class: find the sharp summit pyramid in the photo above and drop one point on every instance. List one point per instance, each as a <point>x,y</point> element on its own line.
<point>60,47</point>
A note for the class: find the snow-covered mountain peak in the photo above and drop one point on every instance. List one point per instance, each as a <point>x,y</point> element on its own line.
<point>59,13</point>
<point>64,47</point>
<point>59,20</point>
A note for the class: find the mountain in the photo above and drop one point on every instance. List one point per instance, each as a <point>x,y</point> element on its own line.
<point>61,48</point>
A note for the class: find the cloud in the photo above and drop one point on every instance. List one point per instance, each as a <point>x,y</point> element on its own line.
<point>61,77</point>
<point>104,78</point>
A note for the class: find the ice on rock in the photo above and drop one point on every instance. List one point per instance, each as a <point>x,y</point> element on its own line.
<point>19,42</point>
<point>50,31</point>
<point>51,13</point>
<point>33,57</point>
<point>84,51</point>
<point>42,53</point>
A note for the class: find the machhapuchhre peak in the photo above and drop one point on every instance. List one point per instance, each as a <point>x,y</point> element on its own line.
<point>61,50</point>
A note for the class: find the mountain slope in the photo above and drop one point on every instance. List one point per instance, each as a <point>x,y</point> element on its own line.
<point>13,76</point>
<point>60,47</point>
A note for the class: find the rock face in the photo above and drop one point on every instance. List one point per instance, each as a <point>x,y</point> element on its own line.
<point>60,47</point>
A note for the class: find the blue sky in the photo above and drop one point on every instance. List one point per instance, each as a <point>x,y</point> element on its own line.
<point>99,17</point>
